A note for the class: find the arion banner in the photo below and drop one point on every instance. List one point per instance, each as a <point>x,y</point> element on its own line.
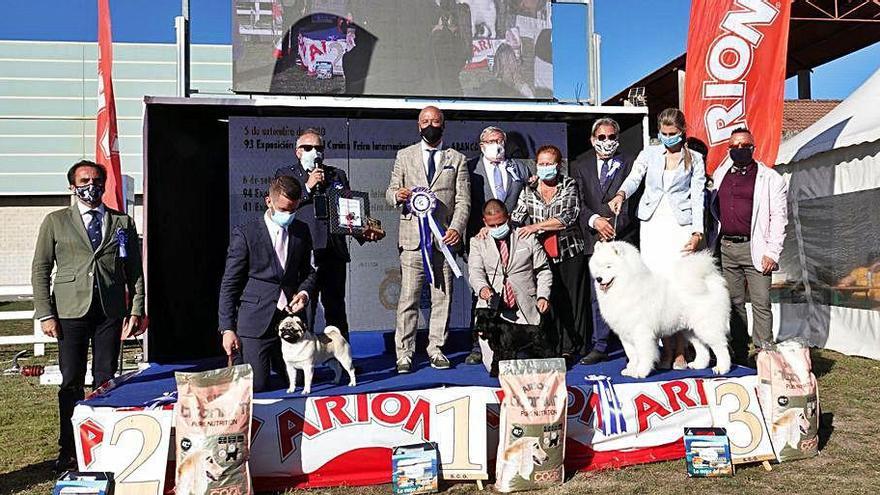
<point>736,57</point>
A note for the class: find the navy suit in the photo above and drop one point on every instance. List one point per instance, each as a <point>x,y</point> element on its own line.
<point>517,174</point>
<point>250,287</point>
<point>594,201</point>
<point>331,250</point>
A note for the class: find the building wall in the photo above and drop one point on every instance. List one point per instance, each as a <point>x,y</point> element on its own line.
<point>19,226</point>
<point>48,101</point>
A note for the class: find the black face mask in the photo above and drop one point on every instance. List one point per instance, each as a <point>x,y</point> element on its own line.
<point>431,134</point>
<point>741,155</point>
<point>89,193</point>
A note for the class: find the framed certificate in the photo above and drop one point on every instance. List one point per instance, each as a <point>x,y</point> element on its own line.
<point>349,211</point>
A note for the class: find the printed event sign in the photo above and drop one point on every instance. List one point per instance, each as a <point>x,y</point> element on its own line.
<point>131,444</point>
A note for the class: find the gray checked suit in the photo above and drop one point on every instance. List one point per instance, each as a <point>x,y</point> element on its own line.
<point>451,185</point>
<point>527,269</point>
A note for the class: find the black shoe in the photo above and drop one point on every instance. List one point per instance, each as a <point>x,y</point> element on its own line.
<point>475,357</point>
<point>594,357</point>
<point>404,366</point>
<point>569,360</point>
<point>439,361</point>
<point>64,463</point>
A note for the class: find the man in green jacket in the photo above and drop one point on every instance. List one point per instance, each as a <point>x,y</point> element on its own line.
<point>97,257</point>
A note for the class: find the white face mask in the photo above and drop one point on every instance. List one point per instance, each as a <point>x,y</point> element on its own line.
<point>606,148</point>
<point>308,159</point>
<point>493,152</point>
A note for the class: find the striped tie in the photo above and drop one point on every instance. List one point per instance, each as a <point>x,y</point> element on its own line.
<point>509,297</point>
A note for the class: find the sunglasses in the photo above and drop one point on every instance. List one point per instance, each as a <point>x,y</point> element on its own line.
<point>744,146</point>
<point>603,137</point>
<point>310,147</point>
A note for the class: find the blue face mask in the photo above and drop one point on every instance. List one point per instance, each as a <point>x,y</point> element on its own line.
<point>547,172</point>
<point>670,141</point>
<point>500,232</point>
<point>283,218</point>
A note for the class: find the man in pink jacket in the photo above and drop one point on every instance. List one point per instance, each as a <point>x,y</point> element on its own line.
<point>749,205</point>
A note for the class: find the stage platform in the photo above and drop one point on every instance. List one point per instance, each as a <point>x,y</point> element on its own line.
<point>340,435</point>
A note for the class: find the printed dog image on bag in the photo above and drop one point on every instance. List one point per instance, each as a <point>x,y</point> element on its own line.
<point>789,396</point>
<point>213,423</point>
<point>531,448</point>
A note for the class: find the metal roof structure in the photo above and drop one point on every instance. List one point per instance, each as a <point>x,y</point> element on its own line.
<point>820,31</point>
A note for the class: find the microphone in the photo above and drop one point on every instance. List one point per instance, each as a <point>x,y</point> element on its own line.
<point>319,164</point>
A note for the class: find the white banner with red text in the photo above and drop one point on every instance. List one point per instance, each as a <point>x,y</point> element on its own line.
<point>347,440</point>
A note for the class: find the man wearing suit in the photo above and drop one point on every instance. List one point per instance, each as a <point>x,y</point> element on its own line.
<point>598,176</point>
<point>331,250</point>
<point>749,204</point>
<point>97,257</point>
<point>493,176</point>
<point>444,171</point>
<point>509,270</point>
<point>268,275</point>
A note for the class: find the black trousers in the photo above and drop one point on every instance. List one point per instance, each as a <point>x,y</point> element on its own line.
<point>570,305</point>
<point>73,349</point>
<point>332,272</point>
<point>264,354</point>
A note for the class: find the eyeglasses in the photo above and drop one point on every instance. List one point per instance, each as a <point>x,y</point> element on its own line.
<point>742,146</point>
<point>310,147</point>
<point>493,141</point>
<point>603,137</point>
<point>546,164</point>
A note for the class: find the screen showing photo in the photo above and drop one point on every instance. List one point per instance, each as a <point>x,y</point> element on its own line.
<point>432,48</point>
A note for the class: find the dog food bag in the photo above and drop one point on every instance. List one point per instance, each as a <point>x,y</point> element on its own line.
<point>531,444</point>
<point>213,431</point>
<point>789,398</point>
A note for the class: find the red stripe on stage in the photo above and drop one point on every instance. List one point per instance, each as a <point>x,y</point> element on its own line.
<point>360,467</point>
<point>372,466</point>
<point>579,457</point>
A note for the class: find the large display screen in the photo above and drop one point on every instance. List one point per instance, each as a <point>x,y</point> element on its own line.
<point>430,48</point>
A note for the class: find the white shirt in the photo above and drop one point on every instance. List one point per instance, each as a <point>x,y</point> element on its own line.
<point>276,230</point>
<point>425,154</point>
<point>613,165</point>
<point>87,217</point>
<point>490,175</point>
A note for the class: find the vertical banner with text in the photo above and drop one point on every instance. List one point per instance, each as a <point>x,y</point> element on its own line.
<point>736,58</point>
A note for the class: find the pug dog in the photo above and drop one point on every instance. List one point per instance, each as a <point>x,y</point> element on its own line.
<point>303,350</point>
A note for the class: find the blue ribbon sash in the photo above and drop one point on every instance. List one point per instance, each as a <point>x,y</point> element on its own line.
<point>422,204</point>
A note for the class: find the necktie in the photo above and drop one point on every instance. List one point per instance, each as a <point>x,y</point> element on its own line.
<point>94,229</point>
<point>508,296</point>
<point>281,253</point>
<point>500,193</point>
<point>603,173</point>
<point>432,165</point>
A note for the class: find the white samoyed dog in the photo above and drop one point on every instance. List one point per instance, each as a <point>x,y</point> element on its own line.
<point>641,307</point>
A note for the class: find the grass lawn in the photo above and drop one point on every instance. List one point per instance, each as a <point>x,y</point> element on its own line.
<point>849,389</point>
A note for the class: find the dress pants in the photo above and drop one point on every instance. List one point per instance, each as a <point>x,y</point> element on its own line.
<point>569,305</point>
<point>73,349</point>
<point>264,354</point>
<point>412,278</point>
<point>741,275</point>
<point>332,272</point>
<point>598,340</point>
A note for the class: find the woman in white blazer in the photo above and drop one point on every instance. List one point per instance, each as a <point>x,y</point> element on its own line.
<point>671,207</point>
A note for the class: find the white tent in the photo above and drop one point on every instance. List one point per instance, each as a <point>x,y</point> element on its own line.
<point>833,169</point>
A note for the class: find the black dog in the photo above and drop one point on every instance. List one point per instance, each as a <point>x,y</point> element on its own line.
<point>510,341</point>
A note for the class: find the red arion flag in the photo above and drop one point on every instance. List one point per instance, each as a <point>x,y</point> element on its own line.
<point>735,74</point>
<point>106,134</point>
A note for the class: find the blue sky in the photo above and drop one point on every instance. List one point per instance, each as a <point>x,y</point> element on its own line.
<point>637,37</point>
